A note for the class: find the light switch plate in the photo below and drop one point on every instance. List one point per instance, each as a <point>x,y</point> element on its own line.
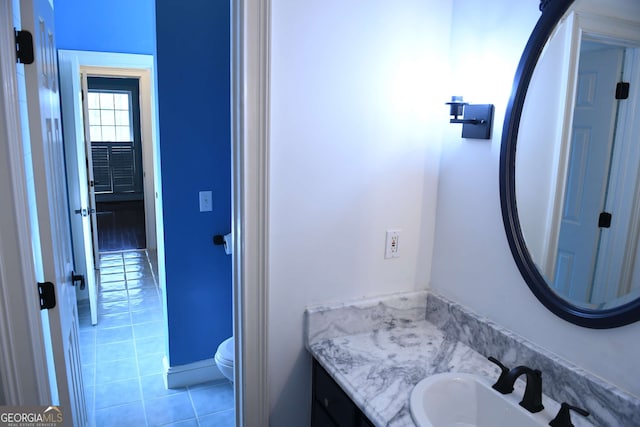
<point>206,203</point>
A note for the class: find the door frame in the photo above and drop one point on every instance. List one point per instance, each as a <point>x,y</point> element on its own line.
<point>250,78</point>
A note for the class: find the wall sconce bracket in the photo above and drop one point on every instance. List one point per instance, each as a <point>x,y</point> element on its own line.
<point>476,122</point>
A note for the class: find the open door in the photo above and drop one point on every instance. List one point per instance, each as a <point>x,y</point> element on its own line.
<point>93,211</point>
<point>588,172</point>
<point>60,322</point>
<point>78,177</point>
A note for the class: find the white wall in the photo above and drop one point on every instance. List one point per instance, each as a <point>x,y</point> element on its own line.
<point>357,106</point>
<point>472,263</point>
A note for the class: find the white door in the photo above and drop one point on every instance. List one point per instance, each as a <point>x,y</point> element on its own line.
<point>78,162</point>
<point>93,211</point>
<point>591,147</point>
<point>615,261</point>
<point>51,200</point>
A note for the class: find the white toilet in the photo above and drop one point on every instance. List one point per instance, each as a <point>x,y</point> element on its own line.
<point>225,357</point>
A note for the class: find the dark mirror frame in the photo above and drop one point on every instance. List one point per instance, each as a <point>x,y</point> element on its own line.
<point>552,13</point>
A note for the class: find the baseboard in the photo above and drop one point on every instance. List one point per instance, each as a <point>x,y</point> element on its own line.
<point>191,374</point>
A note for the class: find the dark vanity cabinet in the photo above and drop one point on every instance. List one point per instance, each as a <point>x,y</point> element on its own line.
<point>331,407</point>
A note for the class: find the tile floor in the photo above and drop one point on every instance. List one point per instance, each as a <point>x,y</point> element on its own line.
<point>122,355</point>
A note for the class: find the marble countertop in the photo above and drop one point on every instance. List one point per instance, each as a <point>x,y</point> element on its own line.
<point>378,352</point>
<point>379,369</point>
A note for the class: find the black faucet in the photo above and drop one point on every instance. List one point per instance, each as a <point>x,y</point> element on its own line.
<point>532,400</point>
<point>563,419</point>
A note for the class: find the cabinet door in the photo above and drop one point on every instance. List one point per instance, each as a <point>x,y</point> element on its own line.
<point>364,421</point>
<point>319,417</point>
<point>330,397</point>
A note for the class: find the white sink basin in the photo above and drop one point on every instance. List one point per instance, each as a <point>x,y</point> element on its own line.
<point>460,400</point>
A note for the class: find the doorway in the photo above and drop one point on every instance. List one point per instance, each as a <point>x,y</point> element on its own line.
<point>130,296</point>
<point>109,73</point>
<point>250,325</point>
<point>113,106</point>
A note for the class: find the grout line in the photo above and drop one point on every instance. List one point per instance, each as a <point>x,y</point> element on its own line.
<point>152,275</point>
<point>193,406</point>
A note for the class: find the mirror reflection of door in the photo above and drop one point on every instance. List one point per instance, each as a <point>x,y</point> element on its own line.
<point>113,112</point>
<point>589,160</point>
<point>591,249</point>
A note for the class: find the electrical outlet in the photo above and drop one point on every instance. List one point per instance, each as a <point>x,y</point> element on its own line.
<point>391,248</point>
<point>206,204</point>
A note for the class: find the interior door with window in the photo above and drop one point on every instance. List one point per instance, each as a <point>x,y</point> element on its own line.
<point>60,322</point>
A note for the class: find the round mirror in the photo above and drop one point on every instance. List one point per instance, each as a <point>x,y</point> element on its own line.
<point>570,162</point>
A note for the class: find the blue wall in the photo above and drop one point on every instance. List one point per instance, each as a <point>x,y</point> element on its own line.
<point>192,58</point>
<point>124,26</point>
<point>195,132</point>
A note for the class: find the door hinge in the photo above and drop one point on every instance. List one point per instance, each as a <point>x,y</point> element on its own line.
<point>24,47</point>
<point>47,295</point>
<point>622,90</point>
<point>77,279</point>
<point>604,221</point>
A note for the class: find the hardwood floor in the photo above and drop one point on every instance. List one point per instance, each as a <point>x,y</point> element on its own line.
<point>121,226</point>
